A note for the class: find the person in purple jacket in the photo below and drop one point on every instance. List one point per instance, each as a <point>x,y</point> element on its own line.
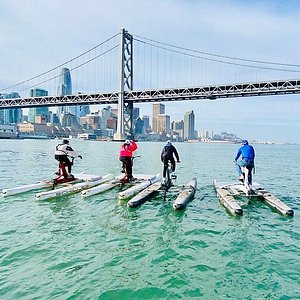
<point>247,154</point>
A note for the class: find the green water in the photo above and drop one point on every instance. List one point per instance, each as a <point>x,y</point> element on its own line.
<point>97,248</point>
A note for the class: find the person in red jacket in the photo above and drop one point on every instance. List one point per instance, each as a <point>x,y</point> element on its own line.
<point>126,152</point>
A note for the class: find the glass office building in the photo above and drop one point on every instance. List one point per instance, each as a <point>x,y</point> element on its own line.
<point>38,111</point>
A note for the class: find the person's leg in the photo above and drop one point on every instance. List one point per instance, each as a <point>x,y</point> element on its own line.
<point>250,167</point>
<point>129,167</point>
<point>122,159</point>
<point>68,164</point>
<point>238,167</point>
<point>173,164</point>
<point>165,162</point>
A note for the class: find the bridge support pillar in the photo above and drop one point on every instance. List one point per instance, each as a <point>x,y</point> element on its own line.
<point>125,122</point>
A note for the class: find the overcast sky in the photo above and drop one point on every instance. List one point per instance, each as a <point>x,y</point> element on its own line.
<point>39,35</point>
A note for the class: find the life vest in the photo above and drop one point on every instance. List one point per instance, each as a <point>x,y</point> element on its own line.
<point>64,149</point>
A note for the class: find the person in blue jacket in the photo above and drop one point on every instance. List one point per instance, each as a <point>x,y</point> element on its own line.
<point>248,154</point>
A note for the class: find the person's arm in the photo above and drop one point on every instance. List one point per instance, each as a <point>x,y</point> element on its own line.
<point>72,153</point>
<point>133,146</point>
<point>176,154</point>
<point>238,154</point>
<point>161,154</point>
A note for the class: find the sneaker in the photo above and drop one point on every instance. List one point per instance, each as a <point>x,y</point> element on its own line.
<point>164,181</point>
<point>241,178</point>
<point>174,176</point>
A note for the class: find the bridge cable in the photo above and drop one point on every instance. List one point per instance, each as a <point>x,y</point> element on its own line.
<point>217,60</point>
<point>76,67</point>
<point>218,55</point>
<point>59,66</point>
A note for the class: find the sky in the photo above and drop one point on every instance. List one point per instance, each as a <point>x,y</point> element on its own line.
<point>38,35</point>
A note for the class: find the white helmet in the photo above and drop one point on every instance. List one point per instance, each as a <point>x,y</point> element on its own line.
<point>168,143</point>
<point>127,142</point>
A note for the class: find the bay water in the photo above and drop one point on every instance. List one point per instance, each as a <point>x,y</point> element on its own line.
<point>98,248</point>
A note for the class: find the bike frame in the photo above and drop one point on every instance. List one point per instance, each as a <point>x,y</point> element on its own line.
<point>168,183</point>
<point>62,176</point>
<point>247,175</point>
<point>125,179</point>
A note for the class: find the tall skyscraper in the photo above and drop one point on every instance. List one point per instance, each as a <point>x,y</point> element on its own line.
<point>65,88</point>
<point>146,121</point>
<point>158,109</point>
<point>12,115</point>
<point>163,123</point>
<point>135,113</point>
<point>189,125</point>
<point>38,111</point>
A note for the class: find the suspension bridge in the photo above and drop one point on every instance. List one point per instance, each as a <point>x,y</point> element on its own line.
<point>156,65</point>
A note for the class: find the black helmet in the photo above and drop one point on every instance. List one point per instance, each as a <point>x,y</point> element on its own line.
<point>65,142</point>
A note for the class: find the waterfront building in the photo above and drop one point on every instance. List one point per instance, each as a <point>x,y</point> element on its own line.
<point>34,129</point>
<point>177,125</point>
<point>53,118</point>
<point>189,125</point>
<point>146,121</point>
<point>92,121</point>
<point>158,109</point>
<point>41,112</point>
<point>11,115</point>
<point>84,110</point>
<point>69,120</point>
<point>135,113</point>
<point>163,123</point>
<point>139,127</point>
<point>177,129</point>
<point>8,131</point>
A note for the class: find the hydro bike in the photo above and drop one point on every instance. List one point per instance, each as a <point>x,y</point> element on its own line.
<point>126,178</point>
<point>62,174</point>
<point>247,179</point>
<point>167,182</point>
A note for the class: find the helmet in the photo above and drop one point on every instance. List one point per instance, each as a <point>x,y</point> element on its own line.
<point>127,142</point>
<point>244,142</point>
<point>168,143</point>
<point>65,142</point>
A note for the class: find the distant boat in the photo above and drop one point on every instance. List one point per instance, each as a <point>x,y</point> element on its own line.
<point>87,136</point>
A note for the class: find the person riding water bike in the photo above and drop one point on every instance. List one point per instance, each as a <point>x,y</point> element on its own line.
<point>125,157</point>
<point>248,154</point>
<point>63,152</point>
<point>167,155</point>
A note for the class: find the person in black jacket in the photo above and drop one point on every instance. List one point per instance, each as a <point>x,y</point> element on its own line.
<point>167,155</point>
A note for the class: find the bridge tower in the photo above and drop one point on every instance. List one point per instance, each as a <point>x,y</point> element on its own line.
<point>125,122</point>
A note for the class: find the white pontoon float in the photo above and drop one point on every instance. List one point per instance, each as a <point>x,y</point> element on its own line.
<point>186,195</point>
<point>139,178</point>
<point>139,187</point>
<point>90,181</point>
<point>227,191</point>
<point>42,184</point>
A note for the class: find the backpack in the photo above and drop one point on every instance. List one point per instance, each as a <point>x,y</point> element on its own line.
<point>167,152</point>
